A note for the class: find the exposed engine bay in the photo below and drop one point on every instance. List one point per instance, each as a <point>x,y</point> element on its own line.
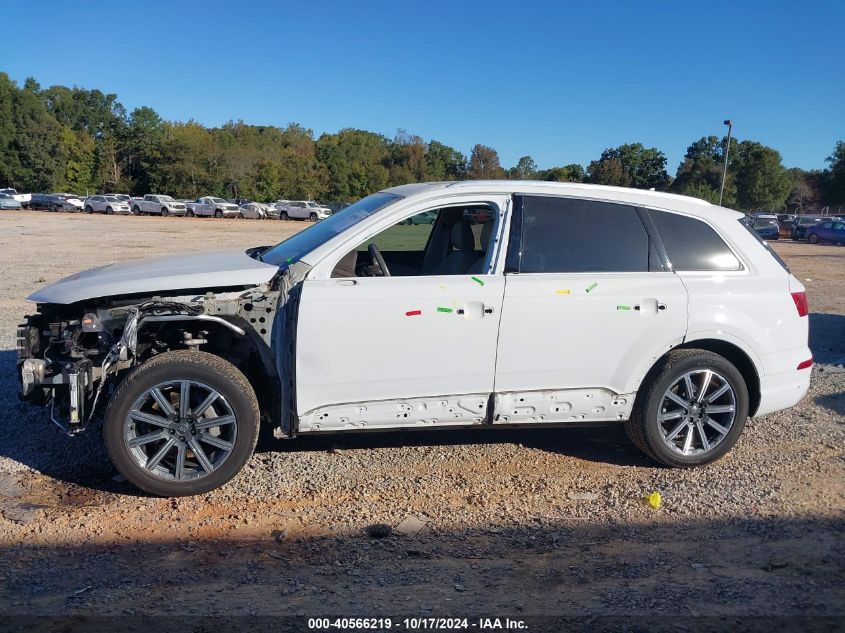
<point>71,356</point>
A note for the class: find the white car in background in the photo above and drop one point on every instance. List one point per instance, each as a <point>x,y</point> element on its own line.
<point>253,211</point>
<point>155,204</point>
<point>210,206</point>
<point>304,210</point>
<point>566,305</point>
<point>109,205</point>
<point>23,198</point>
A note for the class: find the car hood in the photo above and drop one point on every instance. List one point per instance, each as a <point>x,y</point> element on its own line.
<point>176,272</point>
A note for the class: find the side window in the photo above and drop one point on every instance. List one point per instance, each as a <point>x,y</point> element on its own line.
<point>409,235</point>
<point>691,244</point>
<point>566,235</point>
<point>838,226</point>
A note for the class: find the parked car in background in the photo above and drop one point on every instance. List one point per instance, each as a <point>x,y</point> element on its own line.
<point>8,202</point>
<point>55,202</point>
<point>304,210</point>
<point>801,224</point>
<point>575,304</point>
<point>155,204</point>
<point>785,221</point>
<point>252,211</point>
<point>23,198</point>
<point>109,205</point>
<point>338,206</point>
<point>827,231</point>
<point>209,206</point>
<point>426,217</point>
<point>271,211</point>
<point>766,226</point>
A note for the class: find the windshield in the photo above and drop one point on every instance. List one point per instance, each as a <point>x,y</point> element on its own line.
<point>111,199</point>
<point>313,205</point>
<point>218,200</point>
<point>165,198</point>
<point>293,248</point>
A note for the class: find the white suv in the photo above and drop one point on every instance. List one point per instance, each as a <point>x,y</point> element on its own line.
<point>518,304</point>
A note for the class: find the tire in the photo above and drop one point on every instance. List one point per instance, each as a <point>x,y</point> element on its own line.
<point>136,210</point>
<point>218,213</point>
<point>240,216</point>
<point>284,215</point>
<point>313,217</point>
<point>814,239</point>
<point>189,214</point>
<point>205,372</point>
<point>650,435</point>
<point>109,211</point>
<point>89,209</point>
<point>165,212</point>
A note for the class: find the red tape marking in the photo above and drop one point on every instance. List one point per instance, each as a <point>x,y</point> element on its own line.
<point>413,313</point>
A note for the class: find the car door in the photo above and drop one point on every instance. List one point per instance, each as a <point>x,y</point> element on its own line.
<point>398,351</point>
<point>589,305</point>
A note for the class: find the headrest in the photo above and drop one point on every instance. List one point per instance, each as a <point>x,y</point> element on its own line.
<point>462,237</point>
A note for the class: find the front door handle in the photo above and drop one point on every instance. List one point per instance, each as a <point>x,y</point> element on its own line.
<point>346,282</point>
<point>474,310</point>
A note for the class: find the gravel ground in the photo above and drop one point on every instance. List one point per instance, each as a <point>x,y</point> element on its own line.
<point>531,522</point>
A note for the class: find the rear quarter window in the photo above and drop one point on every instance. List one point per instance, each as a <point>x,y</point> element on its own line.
<point>692,245</point>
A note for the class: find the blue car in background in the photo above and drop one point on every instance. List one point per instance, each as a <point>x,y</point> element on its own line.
<point>766,226</point>
<point>830,231</point>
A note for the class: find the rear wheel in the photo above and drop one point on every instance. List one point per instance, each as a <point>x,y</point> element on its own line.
<point>690,410</point>
<point>182,423</point>
<point>814,239</point>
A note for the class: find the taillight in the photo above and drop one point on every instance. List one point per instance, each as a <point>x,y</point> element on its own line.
<point>805,364</point>
<point>800,299</point>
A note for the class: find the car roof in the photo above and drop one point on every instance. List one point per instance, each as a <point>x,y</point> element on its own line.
<point>655,199</point>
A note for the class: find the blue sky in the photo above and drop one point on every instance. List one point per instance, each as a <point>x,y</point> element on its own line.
<point>560,81</point>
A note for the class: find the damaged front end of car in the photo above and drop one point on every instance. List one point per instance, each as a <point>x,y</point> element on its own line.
<point>71,356</point>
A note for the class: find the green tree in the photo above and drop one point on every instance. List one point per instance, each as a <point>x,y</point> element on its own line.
<point>355,163</point>
<point>835,185</point>
<point>568,173</point>
<point>700,173</point>
<point>762,182</point>
<point>444,162</point>
<point>484,164</point>
<point>525,169</point>
<point>630,165</point>
<point>144,141</point>
<point>77,150</point>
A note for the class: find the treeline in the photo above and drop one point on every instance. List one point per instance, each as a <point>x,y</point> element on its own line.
<point>75,140</point>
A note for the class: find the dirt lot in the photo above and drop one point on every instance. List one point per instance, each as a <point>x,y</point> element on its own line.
<point>537,522</point>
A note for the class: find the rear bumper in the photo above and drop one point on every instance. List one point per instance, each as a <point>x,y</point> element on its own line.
<point>782,390</point>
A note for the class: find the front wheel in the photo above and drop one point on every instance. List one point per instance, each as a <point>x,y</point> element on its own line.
<point>183,423</point>
<point>690,410</point>
<point>189,214</point>
<point>283,215</point>
<point>165,212</point>
<point>89,209</point>
<point>136,211</point>
<point>109,211</point>
<point>313,217</point>
<point>218,214</point>
<point>814,239</point>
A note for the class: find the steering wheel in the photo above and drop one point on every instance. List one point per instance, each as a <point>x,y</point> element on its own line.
<point>377,257</point>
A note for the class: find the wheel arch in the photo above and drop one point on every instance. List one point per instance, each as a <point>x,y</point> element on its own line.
<point>248,352</point>
<point>738,357</point>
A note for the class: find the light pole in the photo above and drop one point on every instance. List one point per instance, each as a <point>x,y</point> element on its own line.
<point>730,125</point>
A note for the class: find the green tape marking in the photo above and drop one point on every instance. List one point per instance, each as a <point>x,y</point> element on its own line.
<point>623,307</point>
<point>477,280</point>
<point>289,260</point>
<point>592,286</point>
<point>444,310</point>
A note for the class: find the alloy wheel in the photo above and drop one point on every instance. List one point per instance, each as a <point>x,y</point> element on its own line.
<point>697,412</point>
<point>180,430</point>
